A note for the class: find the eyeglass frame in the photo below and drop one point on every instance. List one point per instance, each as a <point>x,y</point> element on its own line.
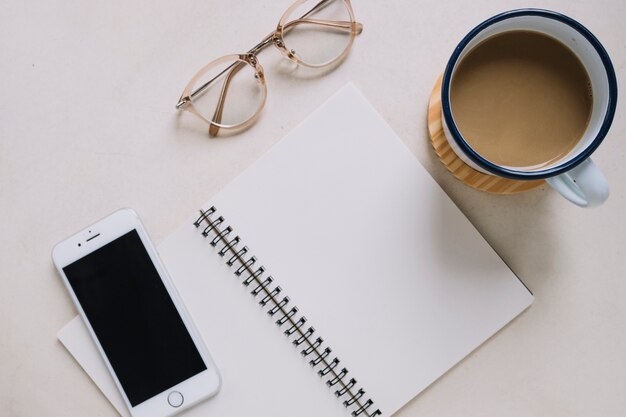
<point>239,61</point>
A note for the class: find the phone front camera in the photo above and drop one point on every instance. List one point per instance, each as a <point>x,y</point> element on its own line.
<point>79,245</point>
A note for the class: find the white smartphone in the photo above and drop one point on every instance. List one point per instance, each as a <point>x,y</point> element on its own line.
<point>136,317</point>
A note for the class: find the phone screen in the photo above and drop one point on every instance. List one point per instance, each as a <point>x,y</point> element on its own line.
<point>134,318</point>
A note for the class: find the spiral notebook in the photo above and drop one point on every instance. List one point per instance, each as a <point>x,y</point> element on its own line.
<point>332,277</point>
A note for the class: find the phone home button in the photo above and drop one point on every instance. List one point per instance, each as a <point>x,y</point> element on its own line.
<point>175,399</point>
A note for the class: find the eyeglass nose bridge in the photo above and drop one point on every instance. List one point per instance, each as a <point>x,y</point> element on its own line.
<point>272,38</point>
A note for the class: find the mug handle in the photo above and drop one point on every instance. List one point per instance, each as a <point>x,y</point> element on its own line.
<point>583,185</point>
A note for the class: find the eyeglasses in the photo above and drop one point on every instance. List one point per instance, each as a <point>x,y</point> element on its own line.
<point>320,37</point>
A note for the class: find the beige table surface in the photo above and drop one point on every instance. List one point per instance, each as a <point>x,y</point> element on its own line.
<point>87,125</point>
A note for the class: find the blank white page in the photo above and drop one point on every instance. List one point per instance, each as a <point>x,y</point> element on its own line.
<point>382,263</point>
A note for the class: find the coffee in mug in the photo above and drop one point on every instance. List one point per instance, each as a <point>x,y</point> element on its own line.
<point>521,99</point>
<point>530,94</point>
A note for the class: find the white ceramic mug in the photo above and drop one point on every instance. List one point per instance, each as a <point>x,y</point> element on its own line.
<point>574,176</point>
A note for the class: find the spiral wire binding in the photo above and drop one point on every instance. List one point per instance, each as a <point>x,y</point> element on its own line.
<point>289,317</point>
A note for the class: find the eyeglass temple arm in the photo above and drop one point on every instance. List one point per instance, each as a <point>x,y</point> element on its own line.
<point>341,25</point>
<point>336,24</point>
<point>270,37</point>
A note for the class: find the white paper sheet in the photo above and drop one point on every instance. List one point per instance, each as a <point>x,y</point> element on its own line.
<point>382,263</point>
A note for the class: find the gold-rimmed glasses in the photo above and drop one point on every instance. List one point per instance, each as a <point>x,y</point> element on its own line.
<point>229,93</point>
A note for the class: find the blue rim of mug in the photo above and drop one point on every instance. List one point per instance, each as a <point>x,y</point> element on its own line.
<point>550,172</point>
